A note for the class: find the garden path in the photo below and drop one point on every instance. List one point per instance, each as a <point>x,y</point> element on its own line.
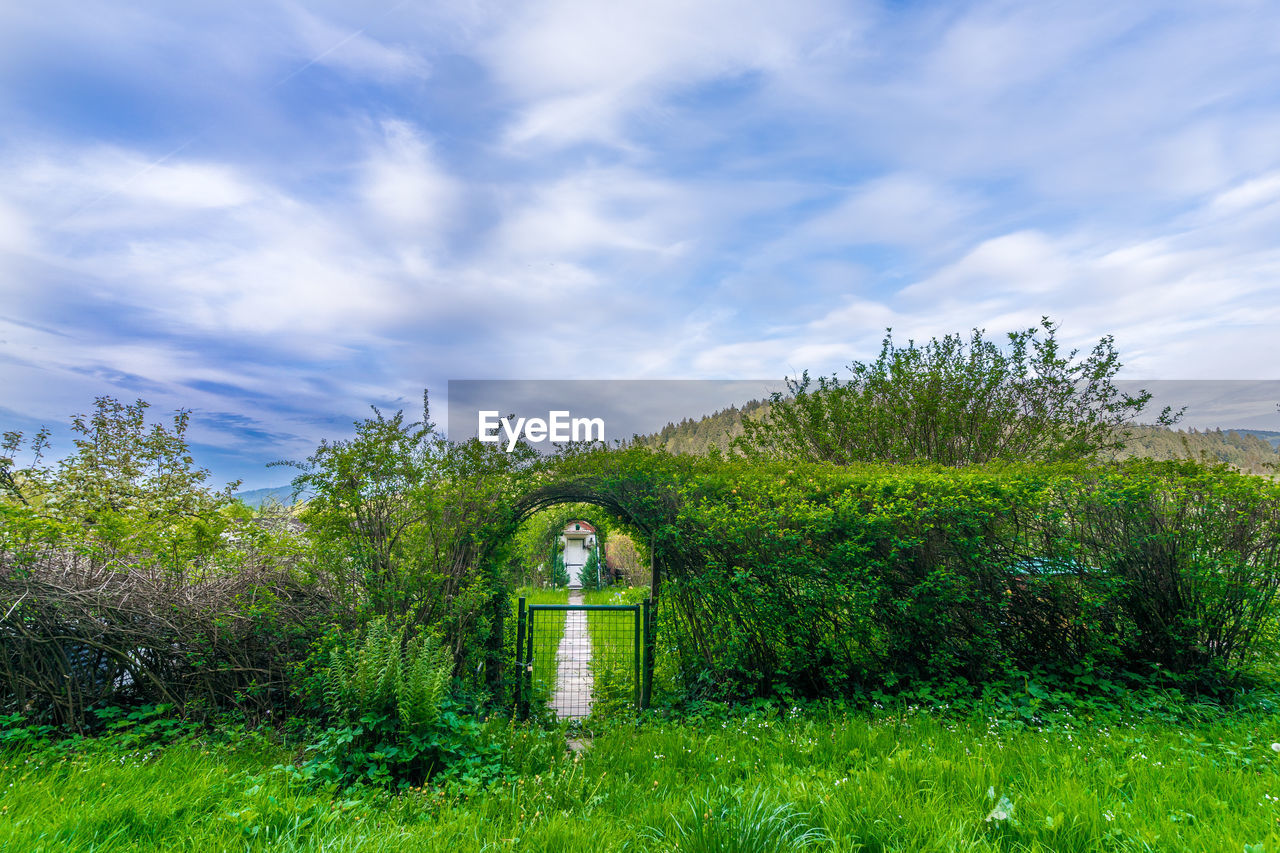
<point>572,696</point>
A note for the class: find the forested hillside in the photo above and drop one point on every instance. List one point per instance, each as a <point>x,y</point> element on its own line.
<point>698,436</point>
<point>1245,451</point>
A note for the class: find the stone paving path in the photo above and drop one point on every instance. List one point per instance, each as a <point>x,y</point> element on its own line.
<point>572,695</point>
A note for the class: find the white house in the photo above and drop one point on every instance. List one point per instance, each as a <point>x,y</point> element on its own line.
<point>579,540</point>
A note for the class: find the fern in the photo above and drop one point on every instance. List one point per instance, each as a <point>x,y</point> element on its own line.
<point>337,685</point>
<point>424,683</point>
<point>385,676</point>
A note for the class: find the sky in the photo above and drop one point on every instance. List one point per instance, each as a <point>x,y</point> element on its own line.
<point>276,214</point>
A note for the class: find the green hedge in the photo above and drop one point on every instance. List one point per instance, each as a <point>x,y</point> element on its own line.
<point>823,580</point>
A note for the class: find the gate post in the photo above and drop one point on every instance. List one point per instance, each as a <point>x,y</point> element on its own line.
<point>519,656</point>
<point>636,647</point>
<point>646,688</point>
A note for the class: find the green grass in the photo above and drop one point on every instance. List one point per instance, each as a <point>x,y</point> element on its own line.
<point>890,783</point>
<point>548,627</point>
<point>613,651</point>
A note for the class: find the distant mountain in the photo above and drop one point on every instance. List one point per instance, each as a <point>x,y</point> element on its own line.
<point>697,436</point>
<point>1246,450</point>
<point>255,498</point>
<point>1271,436</point>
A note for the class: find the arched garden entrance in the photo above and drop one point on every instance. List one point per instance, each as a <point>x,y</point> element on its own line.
<point>571,654</point>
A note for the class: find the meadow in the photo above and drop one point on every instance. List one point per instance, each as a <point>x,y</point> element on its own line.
<point>1141,771</point>
<point>1179,778</point>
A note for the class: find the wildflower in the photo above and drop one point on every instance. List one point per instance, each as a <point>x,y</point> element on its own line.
<point>1003,811</point>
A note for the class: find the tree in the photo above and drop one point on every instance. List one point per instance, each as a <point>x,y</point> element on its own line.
<point>129,489</point>
<point>955,402</point>
<point>399,515</point>
<point>125,579</point>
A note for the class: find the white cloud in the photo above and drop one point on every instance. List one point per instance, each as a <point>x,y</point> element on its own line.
<point>581,68</point>
<point>1025,262</point>
<point>351,47</point>
<point>113,188</point>
<point>1252,193</point>
<point>16,235</point>
<point>599,211</point>
<point>405,187</point>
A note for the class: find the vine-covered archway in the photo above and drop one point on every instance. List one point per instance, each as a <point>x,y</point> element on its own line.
<point>643,508</point>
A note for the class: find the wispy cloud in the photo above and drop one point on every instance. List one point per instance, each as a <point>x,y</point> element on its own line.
<point>282,212</point>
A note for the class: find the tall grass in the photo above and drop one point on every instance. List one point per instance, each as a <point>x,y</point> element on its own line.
<point>613,652</point>
<point>886,783</point>
<point>548,627</point>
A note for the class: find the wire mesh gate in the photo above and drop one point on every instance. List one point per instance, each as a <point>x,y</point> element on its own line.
<point>575,656</point>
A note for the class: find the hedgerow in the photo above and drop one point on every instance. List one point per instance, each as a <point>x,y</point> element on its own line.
<point>823,580</point>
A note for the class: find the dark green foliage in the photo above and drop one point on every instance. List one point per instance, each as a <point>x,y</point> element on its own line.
<point>392,720</point>
<point>954,402</point>
<point>818,580</point>
<point>559,574</point>
<point>111,727</point>
<point>825,580</point>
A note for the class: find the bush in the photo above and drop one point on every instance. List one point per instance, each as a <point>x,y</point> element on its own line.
<point>955,402</point>
<point>392,721</point>
<point>591,571</point>
<point>400,518</point>
<point>80,634</point>
<point>125,581</point>
<point>821,581</point>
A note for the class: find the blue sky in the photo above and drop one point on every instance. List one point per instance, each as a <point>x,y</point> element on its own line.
<point>277,213</point>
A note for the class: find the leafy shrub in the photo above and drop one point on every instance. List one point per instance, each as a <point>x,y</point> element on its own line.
<point>817,580</point>
<point>401,519</point>
<point>385,676</point>
<point>955,402</point>
<point>393,722</point>
<point>126,582</point>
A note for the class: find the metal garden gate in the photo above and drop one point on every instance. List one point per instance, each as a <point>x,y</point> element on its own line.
<point>574,655</point>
